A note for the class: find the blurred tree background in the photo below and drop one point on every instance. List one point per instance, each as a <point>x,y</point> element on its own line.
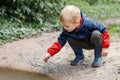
<point>24,18</point>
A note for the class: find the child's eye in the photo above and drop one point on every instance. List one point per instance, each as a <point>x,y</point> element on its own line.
<point>67,26</point>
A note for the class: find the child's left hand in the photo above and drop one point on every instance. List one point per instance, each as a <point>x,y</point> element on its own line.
<point>104,52</point>
<point>46,57</point>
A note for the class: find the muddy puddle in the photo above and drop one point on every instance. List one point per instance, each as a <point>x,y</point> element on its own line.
<point>12,74</point>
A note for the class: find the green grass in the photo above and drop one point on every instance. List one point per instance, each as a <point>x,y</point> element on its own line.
<point>11,30</point>
<point>98,11</point>
<point>15,29</point>
<point>114,29</point>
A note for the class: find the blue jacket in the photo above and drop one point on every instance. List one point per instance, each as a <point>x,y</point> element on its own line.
<point>84,32</point>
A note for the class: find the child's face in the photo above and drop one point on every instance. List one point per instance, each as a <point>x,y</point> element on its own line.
<point>68,26</point>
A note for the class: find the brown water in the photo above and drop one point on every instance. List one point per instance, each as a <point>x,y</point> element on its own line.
<point>11,74</point>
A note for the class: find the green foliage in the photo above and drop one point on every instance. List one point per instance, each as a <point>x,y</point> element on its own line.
<point>109,1</point>
<point>114,29</point>
<point>11,30</point>
<point>100,9</point>
<point>23,18</point>
<point>38,11</point>
<point>104,11</point>
<point>96,2</point>
<point>91,2</point>
<point>10,34</point>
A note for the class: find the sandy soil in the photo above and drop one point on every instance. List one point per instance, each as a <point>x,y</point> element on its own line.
<point>27,54</point>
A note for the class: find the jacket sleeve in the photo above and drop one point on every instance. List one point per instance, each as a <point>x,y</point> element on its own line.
<point>105,39</point>
<point>57,46</point>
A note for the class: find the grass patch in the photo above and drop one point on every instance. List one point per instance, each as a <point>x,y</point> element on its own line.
<point>13,28</point>
<point>114,29</point>
<point>99,10</point>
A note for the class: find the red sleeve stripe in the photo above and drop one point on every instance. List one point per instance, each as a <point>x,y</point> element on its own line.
<point>56,47</point>
<point>105,40</point>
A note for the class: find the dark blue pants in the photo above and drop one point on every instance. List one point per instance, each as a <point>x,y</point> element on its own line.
<point>95,43</point>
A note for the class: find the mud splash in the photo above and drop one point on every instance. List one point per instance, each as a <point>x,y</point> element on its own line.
<point>12,74</point>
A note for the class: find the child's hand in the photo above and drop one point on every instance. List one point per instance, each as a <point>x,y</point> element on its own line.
<point>104,52</point>
<point>46,57</point>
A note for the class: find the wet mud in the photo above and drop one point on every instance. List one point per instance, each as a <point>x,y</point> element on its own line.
<point>12,74</point>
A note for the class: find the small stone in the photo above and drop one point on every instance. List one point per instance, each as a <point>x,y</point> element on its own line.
<point>3,58</point>
<point>118,72</point>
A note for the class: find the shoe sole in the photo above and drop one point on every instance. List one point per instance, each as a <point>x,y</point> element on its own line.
<point>77,63</point>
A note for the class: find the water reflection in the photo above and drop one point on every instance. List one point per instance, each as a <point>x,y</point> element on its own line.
<point>11,74</point>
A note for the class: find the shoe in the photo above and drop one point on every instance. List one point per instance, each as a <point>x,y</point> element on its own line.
<point>97,62</point>
<point>76,61</point>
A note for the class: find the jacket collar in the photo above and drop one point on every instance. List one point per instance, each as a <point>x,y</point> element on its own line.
<point>81,21</point>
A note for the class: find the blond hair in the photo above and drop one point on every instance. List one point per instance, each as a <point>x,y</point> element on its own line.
<point>70,13</point>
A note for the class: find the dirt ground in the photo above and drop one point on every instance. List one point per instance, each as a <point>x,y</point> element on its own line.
<point>27,54</point>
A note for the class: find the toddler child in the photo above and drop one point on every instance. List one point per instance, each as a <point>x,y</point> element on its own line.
<point>81,32</point>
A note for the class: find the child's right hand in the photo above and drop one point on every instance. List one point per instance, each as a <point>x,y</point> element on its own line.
<point>46,57</point>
